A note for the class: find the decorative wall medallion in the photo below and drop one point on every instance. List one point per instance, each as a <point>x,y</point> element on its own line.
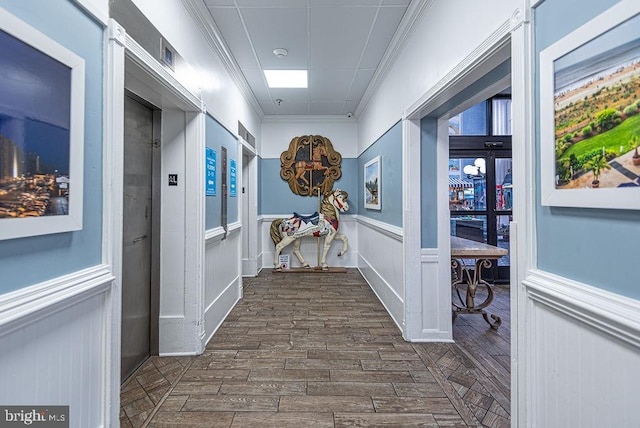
<point>310,164</point>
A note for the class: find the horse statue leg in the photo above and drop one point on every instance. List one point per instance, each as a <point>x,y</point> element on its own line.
<point>296,251</point>
<point>328,239</point>
<point>286,240</point>
<point>345,243</point>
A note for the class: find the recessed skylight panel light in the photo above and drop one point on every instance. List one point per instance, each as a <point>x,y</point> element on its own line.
<point>286,78</point>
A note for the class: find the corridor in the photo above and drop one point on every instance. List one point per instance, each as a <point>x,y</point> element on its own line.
<point>319,350</point>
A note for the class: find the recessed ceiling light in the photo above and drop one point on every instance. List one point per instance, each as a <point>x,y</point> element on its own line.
<point>286,78</point>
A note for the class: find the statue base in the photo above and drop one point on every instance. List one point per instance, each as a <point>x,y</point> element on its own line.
<point>312,270</point>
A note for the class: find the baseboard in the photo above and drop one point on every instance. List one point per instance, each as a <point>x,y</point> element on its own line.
<point>385,293</point>
<point>218,310</point>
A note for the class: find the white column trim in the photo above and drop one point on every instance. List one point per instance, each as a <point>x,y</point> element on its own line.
<point>522,228</point>
<point>113,170</point>
<point>412,228</point>
<point>195,226</point>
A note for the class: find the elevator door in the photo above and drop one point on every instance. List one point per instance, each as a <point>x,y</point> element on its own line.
<point>136,236</point>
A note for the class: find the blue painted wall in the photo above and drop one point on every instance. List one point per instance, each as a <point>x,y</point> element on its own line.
<point>428,181</point>
<point>217,136</point>
<point>389,148</point>
<point>277,198</point>
<point>27,261</point>
<point>598,247</point>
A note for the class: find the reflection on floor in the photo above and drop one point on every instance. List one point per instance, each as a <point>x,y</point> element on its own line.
<point>319,350</point>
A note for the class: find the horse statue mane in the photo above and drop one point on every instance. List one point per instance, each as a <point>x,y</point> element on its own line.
<point>285,231</point>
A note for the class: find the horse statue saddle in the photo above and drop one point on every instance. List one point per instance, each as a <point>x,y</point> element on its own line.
<point>313,218</point>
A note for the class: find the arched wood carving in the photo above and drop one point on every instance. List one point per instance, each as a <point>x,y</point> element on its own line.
<point>309,164</point>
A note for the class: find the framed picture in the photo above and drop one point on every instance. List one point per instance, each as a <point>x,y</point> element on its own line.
<point>372,184</point>
<point>41,133</point>
<point>590,113</point>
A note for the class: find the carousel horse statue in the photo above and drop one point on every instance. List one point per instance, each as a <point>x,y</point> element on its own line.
<point>284,231</point>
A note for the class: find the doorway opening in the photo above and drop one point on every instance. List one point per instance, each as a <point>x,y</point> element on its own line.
<point>249,207</point>
<point>480,178</point>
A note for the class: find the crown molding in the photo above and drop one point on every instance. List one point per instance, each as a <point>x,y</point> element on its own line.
<point>202,18</point>
<point>414,13</point>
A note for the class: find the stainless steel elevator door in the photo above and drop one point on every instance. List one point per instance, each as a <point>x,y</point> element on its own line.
<point>136,236</point>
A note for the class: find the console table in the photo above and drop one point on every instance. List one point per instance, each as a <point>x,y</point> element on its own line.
<point>466,278</point>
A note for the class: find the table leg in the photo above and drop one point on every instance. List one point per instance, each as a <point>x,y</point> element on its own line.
<point>461,276</point>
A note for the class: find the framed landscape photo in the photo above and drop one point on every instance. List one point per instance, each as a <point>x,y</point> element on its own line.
<point>372,184</point>
<point>590,113</point>
<point>41,133</point>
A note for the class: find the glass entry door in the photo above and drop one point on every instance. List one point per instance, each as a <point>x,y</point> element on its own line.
<point>480,184</point>
<point>480,201</point>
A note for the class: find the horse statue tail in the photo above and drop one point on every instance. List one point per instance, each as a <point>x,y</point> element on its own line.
<point>275,231</point>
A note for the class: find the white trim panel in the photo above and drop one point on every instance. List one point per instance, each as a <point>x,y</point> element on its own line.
<point>610,313</point>
<point>380,261</point>
<point>581,354</point>
<point>59,330</point>
<point>433,321</point>
<point>223,281</point>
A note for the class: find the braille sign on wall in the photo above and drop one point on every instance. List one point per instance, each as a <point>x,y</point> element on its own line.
<point>233,192</point>
<point>173,179</point>
<point>210,166</point>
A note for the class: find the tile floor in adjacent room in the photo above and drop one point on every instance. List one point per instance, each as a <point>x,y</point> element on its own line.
<point>320,350</point>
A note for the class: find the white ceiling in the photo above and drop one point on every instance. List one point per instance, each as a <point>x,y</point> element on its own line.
<point>340,42</point>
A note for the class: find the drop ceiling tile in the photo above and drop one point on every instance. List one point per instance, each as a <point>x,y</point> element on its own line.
<point>228,21</point>
<point>326,107</point>
<point>271,28</point>
<point>272,3</point>
<point>214,3</point>
<point>268,107</point>
<point>349,106</point>
<point>384,28</point>
<point>289,95</point>
<point>330,48</point>
<point>292,108</point>
<point>340,3</point>
<point>360,84</point>
<point>329,85</point>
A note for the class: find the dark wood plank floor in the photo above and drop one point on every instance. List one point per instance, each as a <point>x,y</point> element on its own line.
<point>319,350</point>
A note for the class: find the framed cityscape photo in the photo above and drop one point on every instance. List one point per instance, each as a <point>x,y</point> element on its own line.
<point>41,133</point>
<point>372,184</point>
<point>590,113</point>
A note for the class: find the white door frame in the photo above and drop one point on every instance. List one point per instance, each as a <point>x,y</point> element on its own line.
<point>512,40</point>
<point>124,57</point>
<point>249,205</point>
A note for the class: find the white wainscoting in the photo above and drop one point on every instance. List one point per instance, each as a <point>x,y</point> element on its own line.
<point>582,355</point>
<point>380,261</point>
<point>432,322</point>
<point>55,345</point>
<point>309,246</point>
<point>223,279</point>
